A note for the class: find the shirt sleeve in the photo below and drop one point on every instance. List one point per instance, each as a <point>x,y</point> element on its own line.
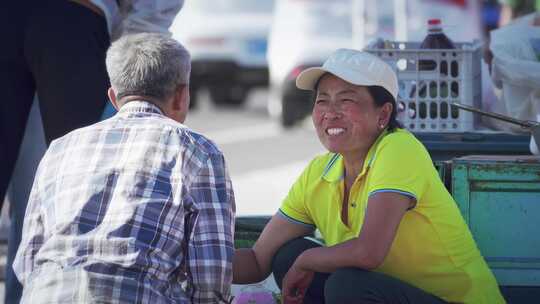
<point>294,206</point>
<point>33,233</point>
<point>211,246</point>
<point>401,165</point>
<point>147,16</point>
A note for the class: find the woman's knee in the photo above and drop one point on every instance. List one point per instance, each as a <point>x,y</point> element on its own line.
<point>287,254</point>
<point>349,284</point>
<point>355,285</point>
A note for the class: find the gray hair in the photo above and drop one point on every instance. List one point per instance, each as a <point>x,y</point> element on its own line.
<point>147,64</point>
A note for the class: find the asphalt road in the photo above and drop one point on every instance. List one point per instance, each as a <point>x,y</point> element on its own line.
<point>263,158</point>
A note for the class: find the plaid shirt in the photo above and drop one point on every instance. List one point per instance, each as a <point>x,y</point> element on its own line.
<point>134,209</point>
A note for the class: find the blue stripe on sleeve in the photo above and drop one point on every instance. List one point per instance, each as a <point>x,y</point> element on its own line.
<point>397,191</point>
<point>290,219</point>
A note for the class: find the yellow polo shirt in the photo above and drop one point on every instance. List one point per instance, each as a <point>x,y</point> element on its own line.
<point>433,248</point>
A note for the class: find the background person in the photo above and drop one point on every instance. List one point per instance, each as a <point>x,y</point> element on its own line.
<point>512,9</point>
<point>393,233</point>
<point>57,48</point>
<point>137,208</point>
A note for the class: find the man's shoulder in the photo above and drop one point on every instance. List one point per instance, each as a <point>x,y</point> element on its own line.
<point>156,131</point>
<point>200,141</point>
<point>193,140</point>
<point>78,133</point>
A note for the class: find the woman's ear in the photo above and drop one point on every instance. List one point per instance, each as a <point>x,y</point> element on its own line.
<point>385,113</point>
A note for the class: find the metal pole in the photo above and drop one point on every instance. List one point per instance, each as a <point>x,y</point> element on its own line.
<point>358,23</point>
<point>522,123</point>
<point>400,20</point>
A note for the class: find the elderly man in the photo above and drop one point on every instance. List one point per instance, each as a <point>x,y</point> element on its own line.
<point>137,208</point>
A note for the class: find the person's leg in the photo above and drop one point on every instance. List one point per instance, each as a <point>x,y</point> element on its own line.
<point>354,285</point>
<point>284,259</point>
<point>18,89</point>
<point>32,149</point>
<point>66,44</point>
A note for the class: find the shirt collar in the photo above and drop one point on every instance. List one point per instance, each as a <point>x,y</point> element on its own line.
<point>139,106</point>
<point>334,170</point>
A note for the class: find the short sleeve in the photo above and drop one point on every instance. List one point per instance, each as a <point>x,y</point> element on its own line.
<point>401,164</point>
<point>294,206</point>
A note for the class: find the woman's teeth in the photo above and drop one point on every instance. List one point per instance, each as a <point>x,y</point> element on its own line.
<point>334,131</point>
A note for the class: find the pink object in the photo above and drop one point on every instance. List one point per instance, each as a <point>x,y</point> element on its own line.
<point>255,297</point>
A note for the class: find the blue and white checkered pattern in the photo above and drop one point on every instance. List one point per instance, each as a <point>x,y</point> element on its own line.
<point>134,209</point>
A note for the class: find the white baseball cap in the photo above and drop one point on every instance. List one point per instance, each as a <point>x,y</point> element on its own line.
<point>353,66</point>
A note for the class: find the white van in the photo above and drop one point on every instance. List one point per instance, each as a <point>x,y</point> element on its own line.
<point>227,40</point>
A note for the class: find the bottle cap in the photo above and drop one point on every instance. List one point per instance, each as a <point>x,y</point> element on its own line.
<point>434,25</point>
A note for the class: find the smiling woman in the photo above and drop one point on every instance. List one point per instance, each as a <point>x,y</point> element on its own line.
<point>392,232</point>
<point>346,117</point>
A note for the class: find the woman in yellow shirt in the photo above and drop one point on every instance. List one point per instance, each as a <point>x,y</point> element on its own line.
<point>393,233</point>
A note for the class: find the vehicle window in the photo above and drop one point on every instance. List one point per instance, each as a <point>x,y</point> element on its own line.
<point>234,6</point>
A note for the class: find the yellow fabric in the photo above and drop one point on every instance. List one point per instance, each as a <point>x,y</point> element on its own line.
<point>433,248</point>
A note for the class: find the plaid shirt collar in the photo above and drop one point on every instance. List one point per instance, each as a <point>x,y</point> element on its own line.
<point>139,106</point>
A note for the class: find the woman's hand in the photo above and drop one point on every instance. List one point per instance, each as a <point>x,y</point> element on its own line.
<point>254,264</point>
<point>295,284</point>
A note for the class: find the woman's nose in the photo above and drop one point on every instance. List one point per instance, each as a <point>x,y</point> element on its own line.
<point>332,113</point>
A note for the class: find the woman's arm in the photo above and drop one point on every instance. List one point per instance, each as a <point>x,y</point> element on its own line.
<point>253,264</point>
<point>384,213</point>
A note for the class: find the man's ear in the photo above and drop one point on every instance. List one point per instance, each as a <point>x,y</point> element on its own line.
<point>112,98</point>
<point>181,98</point>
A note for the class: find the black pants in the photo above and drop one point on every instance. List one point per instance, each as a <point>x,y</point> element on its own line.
<point>57,48</point>
<point>348,285</point>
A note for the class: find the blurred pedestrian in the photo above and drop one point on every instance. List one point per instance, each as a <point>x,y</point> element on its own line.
<point>57,49</point>
<point>32,150</point>
<point>137,208</point>
<point>512,9</point>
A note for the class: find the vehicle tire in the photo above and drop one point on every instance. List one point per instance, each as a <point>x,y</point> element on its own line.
<point>228,95</point>
<point>288,112</point>
<point>193,96</point>
<point>295,105</point>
